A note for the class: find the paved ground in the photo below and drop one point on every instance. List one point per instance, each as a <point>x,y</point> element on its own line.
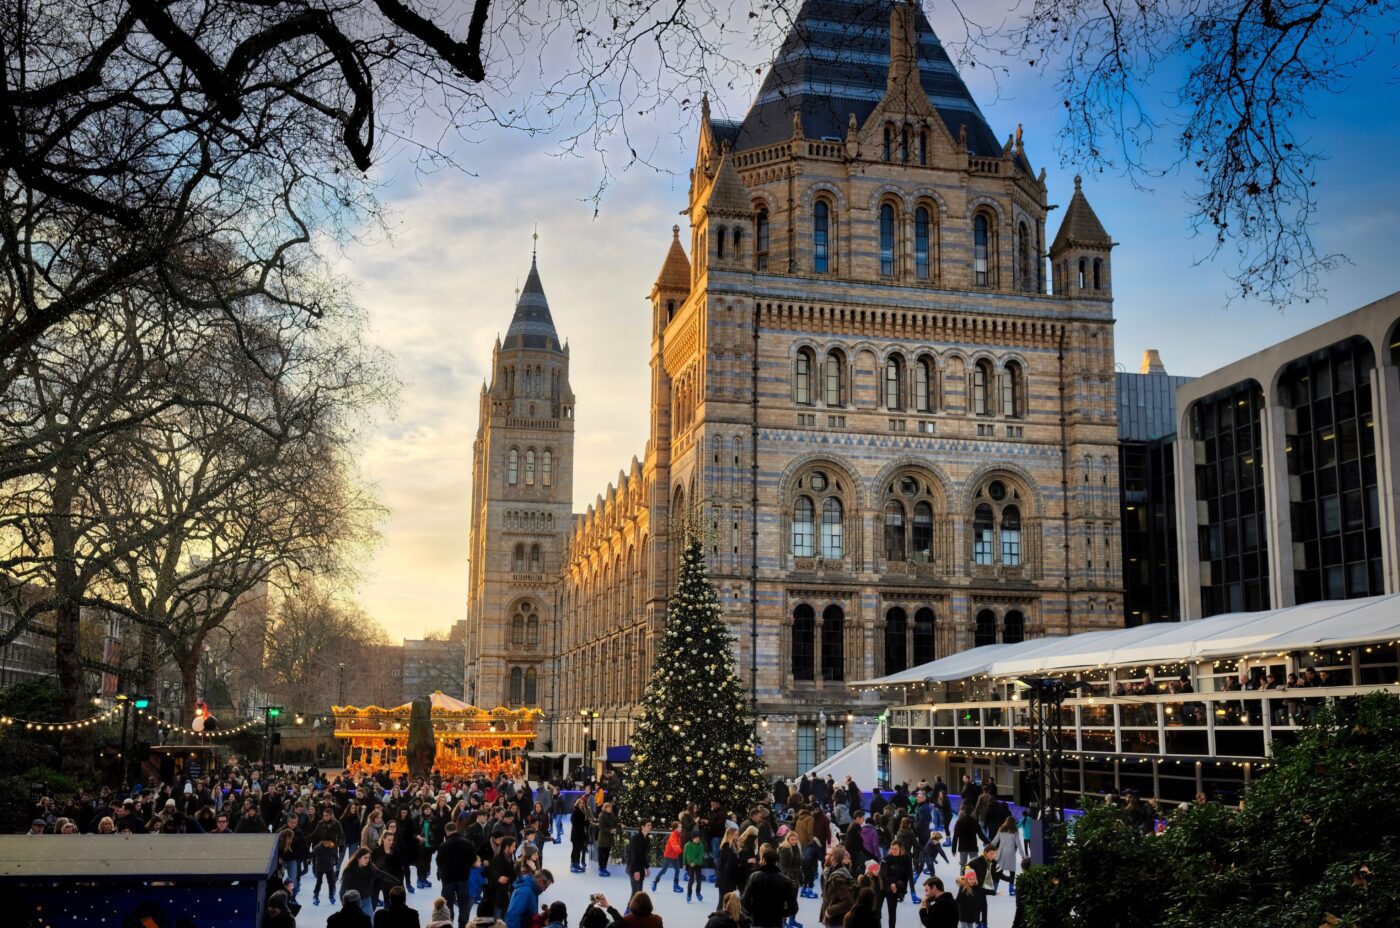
<point>574,889</point>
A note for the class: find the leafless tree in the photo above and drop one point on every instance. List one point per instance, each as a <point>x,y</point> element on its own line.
<point>312,633</point>
<point>1253,72</point>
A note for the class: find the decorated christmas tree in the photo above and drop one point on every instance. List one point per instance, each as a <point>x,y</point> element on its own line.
<point>695,739</point>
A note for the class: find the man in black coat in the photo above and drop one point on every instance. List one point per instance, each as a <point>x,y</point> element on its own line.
<point>854,843</point>
<point>639,856</point>
<point>985,867</point>
<point>455,859</point>
<point>770,898</point>
<point>939,909</point>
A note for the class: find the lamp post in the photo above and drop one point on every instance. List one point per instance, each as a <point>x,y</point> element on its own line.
<point>340,686</point>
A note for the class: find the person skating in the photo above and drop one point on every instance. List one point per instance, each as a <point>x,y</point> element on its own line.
<point>327,841</point>
<point>671,859</point>
<point>607,835</point>
<point>456,860</point>
<point>895,874</point>
<point>770,898</point>
<point>639,856</point>
<point>578,836</point>
<point>693,857</point>
<point>939,909</point>
<point>525,898</point>
<point>838,888</point>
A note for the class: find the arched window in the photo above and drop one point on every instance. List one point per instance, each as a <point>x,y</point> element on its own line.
<point>833,643</point>
<point>894,531</point>
<point>517,686</point>
<point>904,149</point>
<point>1098,274</point>
<point>534,559</point>
<point>761,239</point>
<point>802,378</point>
<point>997,516</point>
<point>923,147</point>
<point>981,377</point>
<point>821,236</point>
<point>923,385</point>
<point>831,379</point>
<point>888,142</point>
<point>719,244</point>
<point>517,631</point>
<point>986,628</point>
<point>1011,390</point>
<point>738,244</point>
<point>547,468</point>
<point>803,518</point>
<point>921,533</point>
<point>894,374</point>
<point>923,636</point>
<point>1011,536</point>
<point>513,467</point>
<point>982,535</point>
<point>1013,628</point>
<point>922,263</point>
<point>832,545</point>
<point>532,688</point>
<point>530,468</point>
<point>981,236</point>
<point>887,239</point>
<point>1023,252</point>
<point>517,562</point>
<point>532,631</point>
<point>896,640</point>
<point>670,310</point>
<point>803,643</point>
<point>1081,273</point>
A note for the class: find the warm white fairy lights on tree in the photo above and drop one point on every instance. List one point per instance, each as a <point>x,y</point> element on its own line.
<point>695,740</point>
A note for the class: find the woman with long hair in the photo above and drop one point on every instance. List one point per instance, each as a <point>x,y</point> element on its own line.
<point>895,876</point>
<point>1010,850</point>
<point>864,914</point>
<point>373,832</point>
<point>361,875</point>
<point>728,867</point>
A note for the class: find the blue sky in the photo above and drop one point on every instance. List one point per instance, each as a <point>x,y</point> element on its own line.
<point>441,287</point>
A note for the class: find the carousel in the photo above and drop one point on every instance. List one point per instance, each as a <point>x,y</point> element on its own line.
<point>469,740</point>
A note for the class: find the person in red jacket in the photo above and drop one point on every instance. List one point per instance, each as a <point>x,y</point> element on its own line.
<point>671,859</point>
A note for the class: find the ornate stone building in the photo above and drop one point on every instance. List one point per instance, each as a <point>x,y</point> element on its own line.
<point>898,443</point>
<point>522,499</point>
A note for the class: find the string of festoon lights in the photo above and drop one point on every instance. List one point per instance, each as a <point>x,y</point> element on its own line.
<point>30,725</point>
<point>185,730</point>
<point>1122,759</point>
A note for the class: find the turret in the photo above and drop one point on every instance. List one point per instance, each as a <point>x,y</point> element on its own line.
<point>1079,256</point>
<point>672,285</point>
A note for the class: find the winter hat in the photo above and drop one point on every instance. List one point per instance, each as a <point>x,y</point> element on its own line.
<point>440,912</point>
<point>782,831</point>
<point>873,867</point>
<point>970,875</point>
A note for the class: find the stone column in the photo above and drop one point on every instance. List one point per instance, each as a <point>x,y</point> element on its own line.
<point>1385,412</point>
<point>1188,553</point>
<point>1278,520</point>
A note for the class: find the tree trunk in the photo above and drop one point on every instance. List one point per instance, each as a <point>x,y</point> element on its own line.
<point>68,617</point>
<point>188,662</point>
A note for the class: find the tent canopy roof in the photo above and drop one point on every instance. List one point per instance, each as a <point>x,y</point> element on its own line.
<point>1333,623</point>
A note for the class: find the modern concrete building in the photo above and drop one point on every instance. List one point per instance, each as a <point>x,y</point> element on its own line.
<point>1147,491</point>
<point>1286,470</point>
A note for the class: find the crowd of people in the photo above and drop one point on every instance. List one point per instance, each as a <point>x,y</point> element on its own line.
<point>368,843</point>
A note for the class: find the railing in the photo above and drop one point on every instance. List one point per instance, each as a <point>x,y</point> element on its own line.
<point>985,165</point>
<point>1231,725</point>
<point>525,422</point>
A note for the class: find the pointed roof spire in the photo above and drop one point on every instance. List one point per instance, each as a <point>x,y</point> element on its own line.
<point>1080,225</point>
<point>532,326</point>
<point>904,54</point>
<point>728,192</point>
<point>675,271</point>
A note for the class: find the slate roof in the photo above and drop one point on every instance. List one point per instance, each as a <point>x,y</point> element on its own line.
<point>1081,225</point>
<point>835,61</point>
<point>675,271</point>
<point>532,326</point>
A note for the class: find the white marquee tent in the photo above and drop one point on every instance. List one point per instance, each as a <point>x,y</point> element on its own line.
<point>1333,623</point>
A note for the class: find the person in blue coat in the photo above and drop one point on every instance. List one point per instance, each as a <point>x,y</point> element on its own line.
<point>525,897</point>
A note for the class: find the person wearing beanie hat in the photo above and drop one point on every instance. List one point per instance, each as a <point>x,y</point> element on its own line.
<point>277,914</point>
<point>441,917</point>
<point>351,915</point>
